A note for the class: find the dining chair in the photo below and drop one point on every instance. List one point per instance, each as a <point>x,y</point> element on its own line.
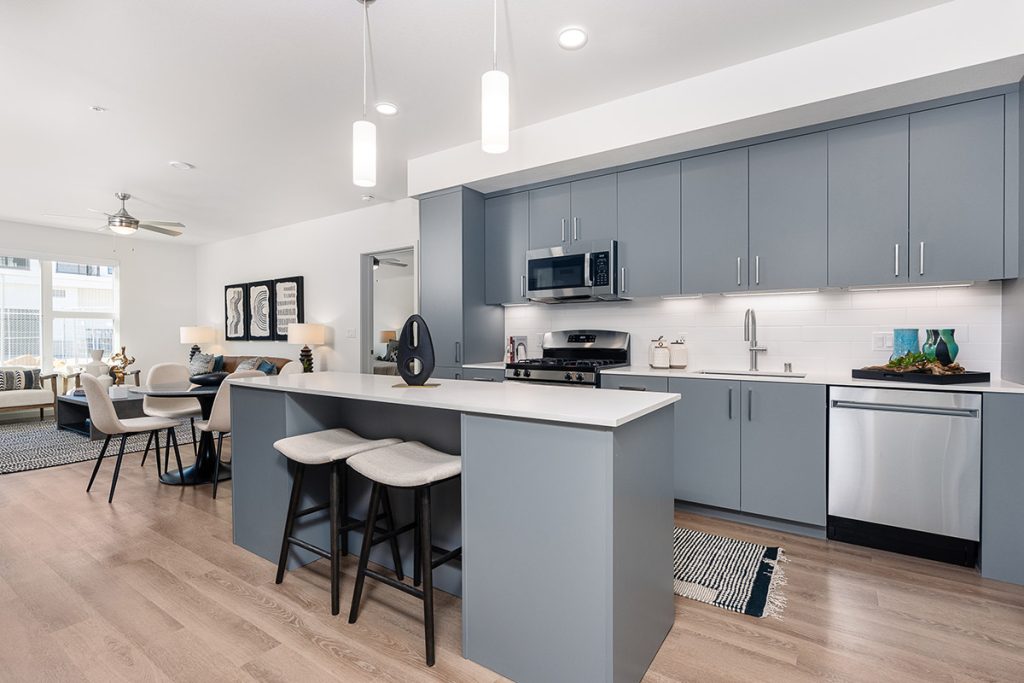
<point>105,419</point>
<point>220,418</point>
<point>173,408</point>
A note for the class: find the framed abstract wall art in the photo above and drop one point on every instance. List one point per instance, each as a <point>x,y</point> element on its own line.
<point>236,312</point>
<point>288,305</point>
<point>260,311</point>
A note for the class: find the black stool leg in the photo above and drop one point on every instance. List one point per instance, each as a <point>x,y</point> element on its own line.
<point>396,556</point>
<point>216,463</point>
<point>335,494</point>
<point>103,451</point>
<point>426,557</point>
<point>417,567</point>
<point>364,555</point>
<point>156,442</point>
<point>289,523</point>
<point>149,442</point>
<point>343,474</point>
<point>117,468</point>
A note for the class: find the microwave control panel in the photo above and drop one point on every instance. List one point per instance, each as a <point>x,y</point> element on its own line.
<point>600,268</point>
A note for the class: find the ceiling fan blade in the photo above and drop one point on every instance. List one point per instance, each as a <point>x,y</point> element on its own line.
<point>162,230</point>
<point>64,215</point>
<point>98,211</point>
<point>166,224</point>
<point>393,262</point>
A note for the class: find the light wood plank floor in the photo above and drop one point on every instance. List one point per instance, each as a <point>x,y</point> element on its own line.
<point>151,588</point>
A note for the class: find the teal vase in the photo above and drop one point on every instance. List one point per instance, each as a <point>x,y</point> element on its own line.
<point>931,340</point>
<point>904,341</point>
<point>946,347</point>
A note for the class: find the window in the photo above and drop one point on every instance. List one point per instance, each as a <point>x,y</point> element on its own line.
<point>52,313</point>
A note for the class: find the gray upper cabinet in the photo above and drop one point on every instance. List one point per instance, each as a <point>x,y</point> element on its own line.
<point>707,448</point>
<point>956,192</point>
<point>714,222</point>
<point>594,213</point>
<point>784,451</point>
<point>868,204</point>
<point>507,239</point>
<point>649,230</point>
<point>789,213</point>
<point>462,327</point>
<point>549,217</point>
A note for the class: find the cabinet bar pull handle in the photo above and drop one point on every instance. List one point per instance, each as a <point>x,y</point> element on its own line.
<point>730,403</point>
<point>922,258</point>
<point>458,352</point>
<point>625,388</point>
<point>897,259</point>
<point>739,260</point>
<point>575,227</point>
<point>757,270</point>
<point>522,286</point>
<point>623,279</point>
<point>750,405</point>
<point>563,229</point>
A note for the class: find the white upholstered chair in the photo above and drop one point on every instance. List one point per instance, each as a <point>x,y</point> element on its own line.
<point>105,419</point>
<point>291,368</point>
<point>220,417</point>
<point>173,408</point>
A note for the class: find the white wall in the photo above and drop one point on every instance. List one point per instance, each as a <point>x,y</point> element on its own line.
<point>326,253</point>
<point>157,282</point>
<point>829,331</point>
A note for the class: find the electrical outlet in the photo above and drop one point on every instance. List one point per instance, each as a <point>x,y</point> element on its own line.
<point>881,341</point>
<point>350,333</point>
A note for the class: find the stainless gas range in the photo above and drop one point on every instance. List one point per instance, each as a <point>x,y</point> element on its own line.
<point>573,357</point>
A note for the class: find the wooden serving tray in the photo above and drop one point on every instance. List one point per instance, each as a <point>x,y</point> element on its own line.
<point>968,377</point>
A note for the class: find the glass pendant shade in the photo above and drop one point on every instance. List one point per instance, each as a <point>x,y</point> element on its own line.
<point>364,153</point>
<point>123,229</point>
<point>494,106</point>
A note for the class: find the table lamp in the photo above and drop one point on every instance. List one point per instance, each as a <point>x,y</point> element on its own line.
<point>195,335</point>
<point>306,334</point>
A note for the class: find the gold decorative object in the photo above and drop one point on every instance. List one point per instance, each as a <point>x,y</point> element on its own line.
<point>119,365</point>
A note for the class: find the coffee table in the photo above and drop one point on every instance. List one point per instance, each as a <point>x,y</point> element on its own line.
<point>73,413</point>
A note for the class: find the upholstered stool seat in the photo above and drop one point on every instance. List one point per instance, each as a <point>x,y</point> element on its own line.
<point>416,466</point>
<point>407,465</point>
<point>320,448</point>
<point>331,448</point>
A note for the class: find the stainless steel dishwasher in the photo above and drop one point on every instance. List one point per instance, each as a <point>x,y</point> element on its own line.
<point>904,471</point>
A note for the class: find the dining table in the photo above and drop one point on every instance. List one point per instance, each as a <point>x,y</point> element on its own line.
<point>201,472</point>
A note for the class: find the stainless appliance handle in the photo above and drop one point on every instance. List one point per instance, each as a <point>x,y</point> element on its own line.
<point>522,286</point>
<point>897,259</point>
<point>622,279</point>
<point>730,403</point>
<point>575,227</point>
<point>757,270</point>
<point>458,352</point>
<point>922,259</point>
<point>563,229</point>
<point>902,408</point>
<point>750,405</point>
<point>625,388</point>
<point>587,281</point>
<point>739,260</point>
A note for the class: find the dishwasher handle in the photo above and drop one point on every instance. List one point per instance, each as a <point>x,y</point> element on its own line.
<point>903,408</point>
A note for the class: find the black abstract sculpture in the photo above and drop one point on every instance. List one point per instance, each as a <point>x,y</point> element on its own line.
<point>415,352</point>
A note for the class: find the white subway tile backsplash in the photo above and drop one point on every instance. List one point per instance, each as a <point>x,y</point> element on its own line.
<point>829,331</point>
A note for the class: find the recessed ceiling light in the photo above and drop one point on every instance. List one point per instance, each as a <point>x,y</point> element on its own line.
<point>181,165</point>
<point>97,108</point>
<point>386,108</point>
<point>572,38</point>
<point>367,197</point>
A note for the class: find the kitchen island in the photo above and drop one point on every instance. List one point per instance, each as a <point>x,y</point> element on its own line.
<point>564,510</point>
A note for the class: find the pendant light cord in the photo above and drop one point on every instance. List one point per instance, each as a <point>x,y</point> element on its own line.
<point>366,23</point>
<point>494,44</point>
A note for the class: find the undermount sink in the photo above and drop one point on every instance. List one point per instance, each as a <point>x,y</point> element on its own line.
<point>753,373</point>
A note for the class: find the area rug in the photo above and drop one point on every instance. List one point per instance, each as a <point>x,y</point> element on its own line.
<point>734,575</point>
<point>35,445</point>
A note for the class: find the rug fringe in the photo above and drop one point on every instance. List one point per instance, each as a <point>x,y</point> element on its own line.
<point>776,601</point>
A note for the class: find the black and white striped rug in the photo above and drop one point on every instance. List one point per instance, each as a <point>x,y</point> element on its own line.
<point>734,575</point>
<point>35,445</point>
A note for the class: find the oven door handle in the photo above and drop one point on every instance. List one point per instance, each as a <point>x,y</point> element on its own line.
<point>902,408</point>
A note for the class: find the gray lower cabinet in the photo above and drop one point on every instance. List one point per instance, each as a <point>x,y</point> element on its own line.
<point>1002,475</point>
<point>446,372</point>
<point>784,451</point>
<point>649,230</point>
<point>594,213</point>
<point>956,192</point>
<point>550,211</point>
<point>789,213</point>
<point>707,457</point>
<point>868,204</point>
<point>634,382</point>
<point>463,328</point>
<point>714,222</point>
<point>507,226</point>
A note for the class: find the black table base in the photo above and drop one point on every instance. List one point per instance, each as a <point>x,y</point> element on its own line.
<point>202,471</point>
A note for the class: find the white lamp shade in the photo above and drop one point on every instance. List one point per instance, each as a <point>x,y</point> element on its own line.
<point>196,335</point>
<point>123,229</point>
<point>309,334</point>
<point>494,104</point>
<point>364,153</point>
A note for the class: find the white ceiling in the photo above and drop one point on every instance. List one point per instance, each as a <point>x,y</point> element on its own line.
<point>260,94</point>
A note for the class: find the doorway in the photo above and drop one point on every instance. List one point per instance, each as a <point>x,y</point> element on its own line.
<point>389,298</point>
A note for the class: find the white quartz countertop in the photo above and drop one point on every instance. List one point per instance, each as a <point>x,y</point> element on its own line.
<point>835,379</point>
<point>573,405</point>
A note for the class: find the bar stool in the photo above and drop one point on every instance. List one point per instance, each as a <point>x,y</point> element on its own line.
<point>408,465</point>
<point>329,447</point>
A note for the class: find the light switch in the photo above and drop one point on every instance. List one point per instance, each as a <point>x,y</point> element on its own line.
<point>881,341</point>
<point>350,333</point>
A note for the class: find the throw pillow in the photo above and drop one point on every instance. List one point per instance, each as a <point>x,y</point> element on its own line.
<point>200,364</point>
<point>16,380</point>
<point>267,368</point>
<point>218,363</point>
<point>248,364</point>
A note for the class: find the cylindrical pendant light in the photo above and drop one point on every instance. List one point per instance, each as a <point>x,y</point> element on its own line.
<point>494,102</point>
<point>364,132</point>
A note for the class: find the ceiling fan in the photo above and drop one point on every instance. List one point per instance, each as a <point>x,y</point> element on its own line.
<point>378,262</point>
<point>123,223</point>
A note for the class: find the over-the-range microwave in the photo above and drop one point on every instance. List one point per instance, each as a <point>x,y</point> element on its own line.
<point>588,273</point>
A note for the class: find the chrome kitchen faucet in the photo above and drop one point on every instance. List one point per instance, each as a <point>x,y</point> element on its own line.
<point>750,335</point>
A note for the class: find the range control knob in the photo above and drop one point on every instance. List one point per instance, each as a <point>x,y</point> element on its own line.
<point>579,377</point>
<point>526,373</point>
<point>568,377</point>
<point>516,373</point>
